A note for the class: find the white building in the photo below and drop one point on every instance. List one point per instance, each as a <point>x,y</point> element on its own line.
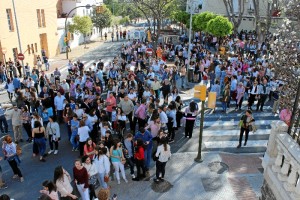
<point>85,8</point>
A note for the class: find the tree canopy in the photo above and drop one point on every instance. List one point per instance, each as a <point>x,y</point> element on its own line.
<point>219,26</point>
<point>81,25</point>
<point>202,19</point>
<point>103,19</point>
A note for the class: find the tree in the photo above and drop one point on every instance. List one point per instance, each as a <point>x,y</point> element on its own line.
<point>219,26</point>
<point>103,19</point>
<point>180,16</point>
<point>202,19</point>
<point>125,20</point>
<point>235,17</point>
<point>81,25</point>
<point>287,59</point>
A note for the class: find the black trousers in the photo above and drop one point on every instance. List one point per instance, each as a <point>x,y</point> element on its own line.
<point>189,127</point>
<point>141,122</point>
<point>51,142</point>
<point>130,162</point>
<point>242,133</point>
<point>140,165</point>
<point>4,122</point>
<point>59,116</point>
<point>261,101</point>
<point>92,191</point>
<point>171,130</point>
<point>132,126</point>
<point>239,105</point>
<point>160,169</point>
<point>27,127</point>
<point>81,148</point>
<point>14,166</point>
<point>251,100</point>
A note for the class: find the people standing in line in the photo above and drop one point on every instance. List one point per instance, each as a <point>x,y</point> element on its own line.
<point>53,132</point>
<point>62,180</point>
<point>190,114</point>
<point>39,136</point>
<point>3,121</point>
<point>81,179</point>
<point>92,172</point>
<point>247,121</point>
<point>102,164</point>
<point>117,157</point>
<point>163,153</point>
<point>16,121</point>
<point>10,154</point>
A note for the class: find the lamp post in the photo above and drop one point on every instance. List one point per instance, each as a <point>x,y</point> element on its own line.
<point>88,6</point>
<point>4,50</point>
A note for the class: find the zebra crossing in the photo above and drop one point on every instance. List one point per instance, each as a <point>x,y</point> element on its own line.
<point>87,64</point>
<point>221,131</point>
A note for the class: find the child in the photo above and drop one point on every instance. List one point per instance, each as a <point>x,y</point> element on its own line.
<point>49,189</point>
<point>74,129</point>
<point>45,116</point>
<point>139,160</point>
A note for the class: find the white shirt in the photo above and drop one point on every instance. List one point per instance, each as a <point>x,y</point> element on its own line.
<point>79,113</point>
<point>163,156</point>
<point>83,133</point>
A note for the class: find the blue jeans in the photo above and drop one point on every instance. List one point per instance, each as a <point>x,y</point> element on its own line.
<point>182,81</point>
<point>73,141</point>
<point>224,106</point>
<point>41,144</point>
<point>101,180</point>
<point>147,155</point>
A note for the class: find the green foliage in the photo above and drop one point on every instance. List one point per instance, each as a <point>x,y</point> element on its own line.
<point>180,16</point>
<point>219,26</point>
<point>193,23</point>
<point>102,20</point>
<point>81,25</point>
<point>125,20</point>
<point>202,19</point>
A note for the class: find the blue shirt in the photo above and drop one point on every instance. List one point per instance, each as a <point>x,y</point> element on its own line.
<point>146,137</point>
<point>16,83</point>
<point>74,127</point>
<point>59,102</point>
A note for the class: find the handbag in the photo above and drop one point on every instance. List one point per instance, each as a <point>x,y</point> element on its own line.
<point>240,123</point>
<point>252,128</point>
<point>93,180</point>
<point>123,161</point>
<point>106,179</point>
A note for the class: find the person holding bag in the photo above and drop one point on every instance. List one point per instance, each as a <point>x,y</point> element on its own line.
<point>246,124</point>
<point>163,153</point>
<point>117,157</point>
<point>10,154</point>
<point>53,132</point>
<point>92,172</point>
<point>62,180</point>
<point>139,160</point>
<point>102,164</point>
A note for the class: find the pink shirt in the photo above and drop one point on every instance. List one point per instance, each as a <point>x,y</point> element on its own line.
<point>154,128</point>
<point>111,103</point>
<point>141,111</point>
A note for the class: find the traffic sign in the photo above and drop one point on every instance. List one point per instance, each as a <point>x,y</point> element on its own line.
<point>149,51</point>
<point>4,50</point>
<point>21,56</point>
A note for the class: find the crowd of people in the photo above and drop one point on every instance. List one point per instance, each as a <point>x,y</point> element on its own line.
<point>128,112</point>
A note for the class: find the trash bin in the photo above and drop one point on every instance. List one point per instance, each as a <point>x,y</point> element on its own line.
<point>190,74</point>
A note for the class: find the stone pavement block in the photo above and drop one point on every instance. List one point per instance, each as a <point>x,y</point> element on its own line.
<point>242,188</point>
<point>256,181</point>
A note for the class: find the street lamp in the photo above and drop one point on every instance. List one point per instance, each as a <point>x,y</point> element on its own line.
<point>4,50</point>
<point>88,6</point>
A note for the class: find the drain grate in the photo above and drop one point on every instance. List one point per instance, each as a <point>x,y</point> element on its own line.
<point>212,183</point>
<point>161,187</point>
<point>218,167</point>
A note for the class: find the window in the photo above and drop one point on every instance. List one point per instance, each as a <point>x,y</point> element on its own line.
<point>28,49</point>
<point>35,45</point>
<point>10,20</point>
<point>43,18</point>
<point>15,53</point>
<point>38,12</point>
<point>32,49</point>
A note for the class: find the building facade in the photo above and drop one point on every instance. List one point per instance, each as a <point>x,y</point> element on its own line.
<point>28,27</point>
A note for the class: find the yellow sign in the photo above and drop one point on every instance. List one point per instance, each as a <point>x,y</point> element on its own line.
<point>212,97</point>
<point>200,92</point>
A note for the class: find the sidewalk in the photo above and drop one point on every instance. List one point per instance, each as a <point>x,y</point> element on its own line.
<point>220,176</point>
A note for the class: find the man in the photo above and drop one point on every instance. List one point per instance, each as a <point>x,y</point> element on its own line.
<point>35,78</point>
<point>264,90</point>
<point>127,107</point>
<point>59,106</point>
<point>276,96</point>
<point>16,121</point>
<point>57,74</point>
<point>163,117</point>
<point>155,85</point>
<point>110,103</point>
<point>65,86</point>
<point>16,83</point>
<point>146,136</point>
<point>4,121</point>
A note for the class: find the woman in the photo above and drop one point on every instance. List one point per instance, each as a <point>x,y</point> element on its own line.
<point>26,122</point>
<point>163,153</point>
<point>92,172</point>
<point>50,190</point>
<point>10,88</point>
<point>102,163</point>
<point>246,121</point>
<point>166,88</point>
<point>141,114</point>
<point>240,95</point>
<point>172,124</point>
<point>117,157</point>
<point>94,122</point>
<point>83,132</point>
<point>154,125</point>
<point>53,132</point>
<point>74,132</point>
<point>139,158</point>
<point>179,113</point>
<point>89,148</point>
<point>226,97</point>
<point>62,180</point>
<point>67,115</point>
<point>81,179</point>
<point>10,153</point>
<point>78,111</point>
<point>34,102</point>
<point>190,116</point>
<point>39,135</point>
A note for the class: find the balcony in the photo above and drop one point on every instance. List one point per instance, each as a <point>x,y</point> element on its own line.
<point>281,165</point>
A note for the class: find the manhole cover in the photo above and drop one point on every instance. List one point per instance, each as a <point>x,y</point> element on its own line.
<point>212,183</point>
<point>218,167</point>
<point>161,187</point>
